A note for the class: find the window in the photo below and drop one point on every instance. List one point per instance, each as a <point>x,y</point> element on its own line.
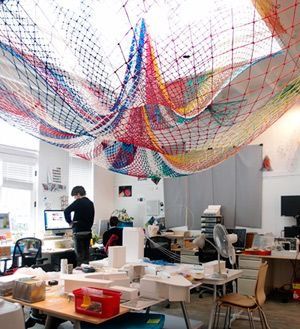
<point>81,173</point>
<point>18,162</point>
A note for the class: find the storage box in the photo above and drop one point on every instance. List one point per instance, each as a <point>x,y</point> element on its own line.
<point>4,251</point>
<point>132,321</point>
<point>29,290</point>
<point>296,291</point>
<point>296,294</point>
<point>296,285</point>
<point>102,303</point>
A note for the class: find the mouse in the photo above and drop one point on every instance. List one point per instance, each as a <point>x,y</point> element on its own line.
<point>88,270</point>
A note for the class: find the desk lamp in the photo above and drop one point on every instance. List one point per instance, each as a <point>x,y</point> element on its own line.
<point>223,245</point>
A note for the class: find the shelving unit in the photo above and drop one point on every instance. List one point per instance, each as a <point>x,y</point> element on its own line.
<point>208,222</point>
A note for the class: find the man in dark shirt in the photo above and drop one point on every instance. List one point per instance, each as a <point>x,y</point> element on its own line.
<point>114,230</point>
<point>82,223</point>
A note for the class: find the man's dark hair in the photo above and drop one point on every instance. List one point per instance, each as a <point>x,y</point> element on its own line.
<point>78,190</point>
<point>113,221</point>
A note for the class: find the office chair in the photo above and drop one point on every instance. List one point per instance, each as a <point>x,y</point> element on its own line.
<point>244,302</point>
<point>114,240</point>
<point>152,248</point>
<point>27,252</point>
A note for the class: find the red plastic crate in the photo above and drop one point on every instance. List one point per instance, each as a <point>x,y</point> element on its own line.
<point>259,252</point>
<point>296,294</point>
<point>102,303</point>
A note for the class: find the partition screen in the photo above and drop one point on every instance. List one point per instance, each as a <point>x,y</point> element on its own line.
<point>236,184</point>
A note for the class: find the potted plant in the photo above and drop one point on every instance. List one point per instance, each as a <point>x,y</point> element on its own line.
<point>122,215</point>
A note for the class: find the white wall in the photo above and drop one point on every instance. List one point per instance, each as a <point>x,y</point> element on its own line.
<point>281,142</point>
<point>103,193</point>
<point>141,190</point>
<point>50,157</point>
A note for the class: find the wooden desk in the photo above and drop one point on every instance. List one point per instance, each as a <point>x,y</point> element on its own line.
<point>60,307</point>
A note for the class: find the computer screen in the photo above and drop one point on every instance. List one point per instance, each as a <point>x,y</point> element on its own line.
<point>4,221</point>
<point>55,220</point>
<point>290,205</point>
<point>241,235</point>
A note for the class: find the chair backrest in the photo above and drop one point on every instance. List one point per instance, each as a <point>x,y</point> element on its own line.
<point>28,250</point>
<point>208,253</point>
<point>114,240</point>
<point>260,294</point>
<point>153,248</point>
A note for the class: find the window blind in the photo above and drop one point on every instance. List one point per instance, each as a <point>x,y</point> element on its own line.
<point>17,168</point>
<point>81,173</point>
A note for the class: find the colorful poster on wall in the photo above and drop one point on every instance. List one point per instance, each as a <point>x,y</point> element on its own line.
<point>125,191</point>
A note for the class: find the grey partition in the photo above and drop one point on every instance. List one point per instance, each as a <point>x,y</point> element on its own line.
<point>175,196</point>
<point>249,187</point>
<point>235,184</point>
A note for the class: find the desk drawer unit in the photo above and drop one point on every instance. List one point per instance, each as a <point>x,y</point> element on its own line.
<point>189,259</point>
<point>247,282</point>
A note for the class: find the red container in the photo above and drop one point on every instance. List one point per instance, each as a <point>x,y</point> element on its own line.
<point>296,294</point>
<point>102,303</point>
<point>259,252</point>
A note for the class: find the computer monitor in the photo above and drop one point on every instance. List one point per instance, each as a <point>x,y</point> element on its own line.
<point>290,206</point>
<point>55,221</point>
<point>103,226</point>
<point>241,235</point>
<point>4,221</point>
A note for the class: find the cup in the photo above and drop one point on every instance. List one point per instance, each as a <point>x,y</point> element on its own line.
<point>70,268</point>
<point>64,265</point>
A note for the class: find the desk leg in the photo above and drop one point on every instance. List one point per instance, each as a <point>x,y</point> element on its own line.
<point>50,320</point>
<point>53,322</point>
<point>185,315</point>
<point>76,325</point>
<point>212,315</point>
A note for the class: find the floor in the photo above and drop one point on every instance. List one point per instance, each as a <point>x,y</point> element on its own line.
<point>279,314</point>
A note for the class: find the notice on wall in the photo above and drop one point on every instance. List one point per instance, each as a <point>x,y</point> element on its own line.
<point>54,175</point>
<point>54,180</point>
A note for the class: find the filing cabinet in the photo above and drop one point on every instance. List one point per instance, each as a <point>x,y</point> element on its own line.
<point>250,266</point>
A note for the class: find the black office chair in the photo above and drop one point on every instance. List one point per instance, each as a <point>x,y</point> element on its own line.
<point>152,248</point>
<point>27,252</point>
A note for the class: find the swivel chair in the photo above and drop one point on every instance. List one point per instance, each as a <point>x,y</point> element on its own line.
<point>27,252</point>
<point>152,248</point>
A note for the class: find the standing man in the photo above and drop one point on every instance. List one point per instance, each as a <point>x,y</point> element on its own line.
<point>82,223</point>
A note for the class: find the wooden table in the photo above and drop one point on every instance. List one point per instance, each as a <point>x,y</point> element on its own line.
<point>62,308</point>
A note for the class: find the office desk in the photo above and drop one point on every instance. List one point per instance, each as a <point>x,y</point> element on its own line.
<point>282,266</point>
<point>55,255</point>
<point>61,307</point>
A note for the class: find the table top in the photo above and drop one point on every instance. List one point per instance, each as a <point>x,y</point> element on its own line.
<point>232,275</point>
<point>62,308</point>
<point>292,255</point>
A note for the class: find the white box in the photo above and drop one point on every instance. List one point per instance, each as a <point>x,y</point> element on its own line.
<point>80,282</point>
<point>11,315</point>
<point>213,267</point>
<point>133,240</point>
<point>127,292</point>
<point>116,256</point>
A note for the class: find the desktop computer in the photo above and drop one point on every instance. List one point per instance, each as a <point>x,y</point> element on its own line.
<point>291,231</point>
